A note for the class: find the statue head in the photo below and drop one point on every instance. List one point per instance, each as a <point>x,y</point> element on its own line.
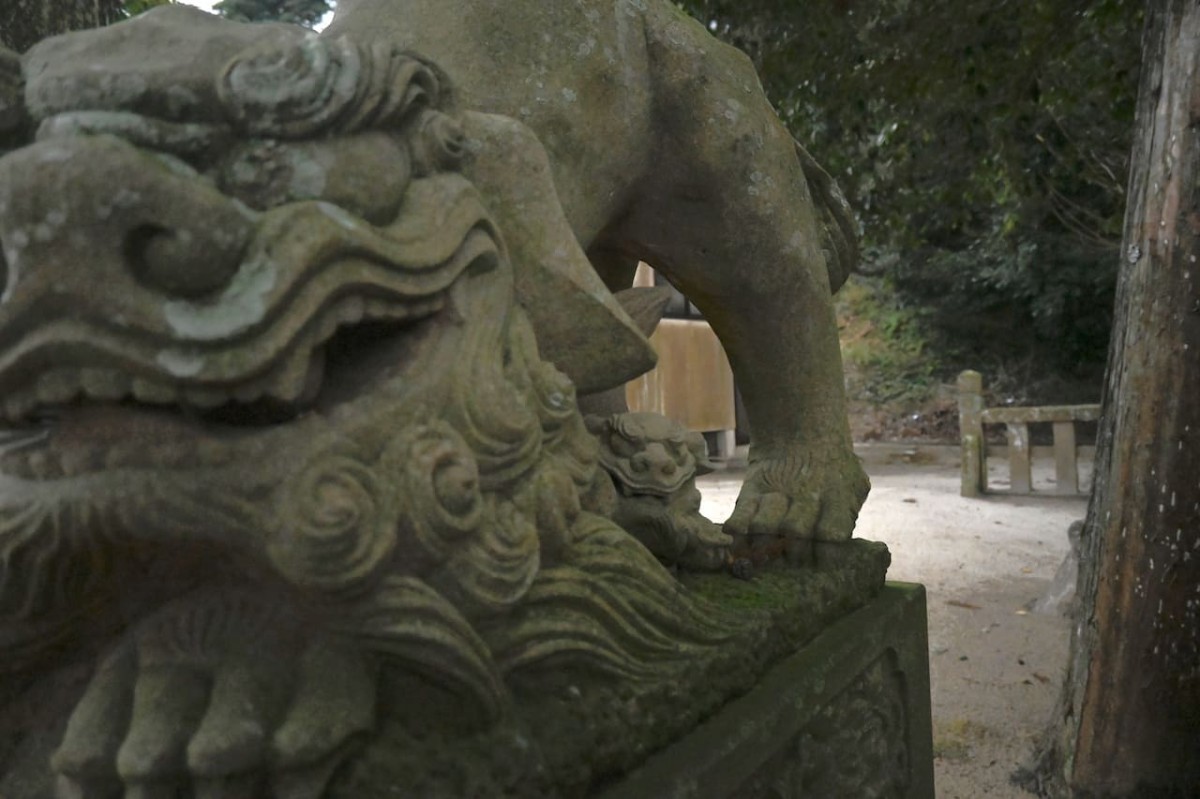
<point>268,407</point>
<point>248,304</point>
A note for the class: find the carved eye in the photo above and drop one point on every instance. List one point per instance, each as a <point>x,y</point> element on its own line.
<point>622,447</point>
<point>173,263</point>
<point>365,174</point>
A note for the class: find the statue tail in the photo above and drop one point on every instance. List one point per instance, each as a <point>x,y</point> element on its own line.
<point>839,231</point>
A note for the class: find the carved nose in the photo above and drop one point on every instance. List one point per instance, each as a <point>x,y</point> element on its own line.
<point>82,210</point>
<point>654,458</point>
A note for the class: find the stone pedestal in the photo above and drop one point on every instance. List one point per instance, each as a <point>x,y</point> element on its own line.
<point>848,716</point>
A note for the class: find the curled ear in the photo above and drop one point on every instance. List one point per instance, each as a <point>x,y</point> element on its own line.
<point>699,449</point>
<point>645,305</point>
<point>439,144</point>
<point>839,230</point>
<point>597,425</point>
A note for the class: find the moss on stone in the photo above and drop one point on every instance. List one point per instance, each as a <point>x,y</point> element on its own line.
<point>573,732</point>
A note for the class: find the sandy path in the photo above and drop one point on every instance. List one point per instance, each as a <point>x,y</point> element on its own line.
<point>995,666</point>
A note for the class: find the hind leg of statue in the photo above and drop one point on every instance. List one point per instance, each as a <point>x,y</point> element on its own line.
<point>729,215</point>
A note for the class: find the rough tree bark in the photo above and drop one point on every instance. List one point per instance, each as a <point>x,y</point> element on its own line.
<point>1130,709</point>
<point>24,22</point>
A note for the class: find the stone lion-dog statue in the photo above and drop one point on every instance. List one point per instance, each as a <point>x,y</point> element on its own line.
<point>290,338</point>
<point>663,148</point>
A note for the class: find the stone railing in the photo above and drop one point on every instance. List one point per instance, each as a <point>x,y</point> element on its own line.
<point>972,416</point>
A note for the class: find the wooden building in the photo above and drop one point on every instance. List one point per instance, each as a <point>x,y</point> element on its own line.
<point>693,382</point>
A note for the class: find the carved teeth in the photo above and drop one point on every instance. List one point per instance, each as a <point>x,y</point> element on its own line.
<point>15,440</point>
<point>204,397</point>
<point>295,378</point>
<point>376,308</point>
<point>17,464</point>
<point>351,310</point>
<point>17,406</point>
<point>314,378</point>
<point>288,380</point>
<point>58,386</point>
<point>155,393</point>
<point>213,453</point>
<point>168,456</point>
<point>326,327</point>
<point>122,454</point>
<point>105,384</point>
<point>79,460</point>
<point>44,465</point>
<point>249,393</point>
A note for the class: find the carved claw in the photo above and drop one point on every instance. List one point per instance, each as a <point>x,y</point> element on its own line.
<point>799,500</point>
<point>707,547</point>
<point>221,695</point>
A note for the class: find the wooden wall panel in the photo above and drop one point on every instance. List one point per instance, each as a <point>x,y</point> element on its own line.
<point>693,382</point>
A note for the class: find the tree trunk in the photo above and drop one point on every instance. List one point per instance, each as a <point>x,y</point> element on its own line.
<point>1130,709</point>
<point>25,22</point>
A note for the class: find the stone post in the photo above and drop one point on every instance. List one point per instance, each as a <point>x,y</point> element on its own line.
<point>970,424</point>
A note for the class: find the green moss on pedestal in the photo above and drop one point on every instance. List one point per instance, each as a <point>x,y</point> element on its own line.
<point>571,732</point>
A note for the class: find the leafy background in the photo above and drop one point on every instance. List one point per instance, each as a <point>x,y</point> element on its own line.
<point>984,147</point>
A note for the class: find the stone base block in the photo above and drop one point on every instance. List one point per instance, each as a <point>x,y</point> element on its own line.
<point>846,717</point>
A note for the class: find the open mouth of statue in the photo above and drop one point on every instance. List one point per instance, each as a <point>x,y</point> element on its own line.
<point>182,336</point>
<point>278,394</point>
<point>72,419</point>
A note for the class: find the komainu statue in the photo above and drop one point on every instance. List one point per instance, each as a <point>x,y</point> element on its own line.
<point>654,463</point>
<point>663,148</point>
<point>295,496</point>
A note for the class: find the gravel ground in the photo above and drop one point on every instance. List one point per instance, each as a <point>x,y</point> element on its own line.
<point>995,664</point>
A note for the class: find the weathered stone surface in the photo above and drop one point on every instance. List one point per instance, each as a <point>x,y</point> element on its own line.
<point>573,736</point>
<point>846,716</point>
<point>295,494</point>
<point>663,148</point>
<point>654,463</point>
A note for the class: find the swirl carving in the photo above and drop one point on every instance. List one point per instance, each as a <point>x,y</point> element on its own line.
<point>439,144</point>
<point>337,525</point>
<point>317,86</point>
<point>441,487</point>
<point>555,394</point>
<point>492,571</point>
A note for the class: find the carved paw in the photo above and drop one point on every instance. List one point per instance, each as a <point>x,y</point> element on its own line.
<point>707,548</point>
<point>217,695</point>
<point>795,500</point>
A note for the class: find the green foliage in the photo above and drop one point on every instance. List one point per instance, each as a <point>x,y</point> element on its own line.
<point>298,12</point>
<point>23,23</point>
<point>134,7</point>
<point>885,348</point>
<point>1036,297</point>
<point>983,143</point>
